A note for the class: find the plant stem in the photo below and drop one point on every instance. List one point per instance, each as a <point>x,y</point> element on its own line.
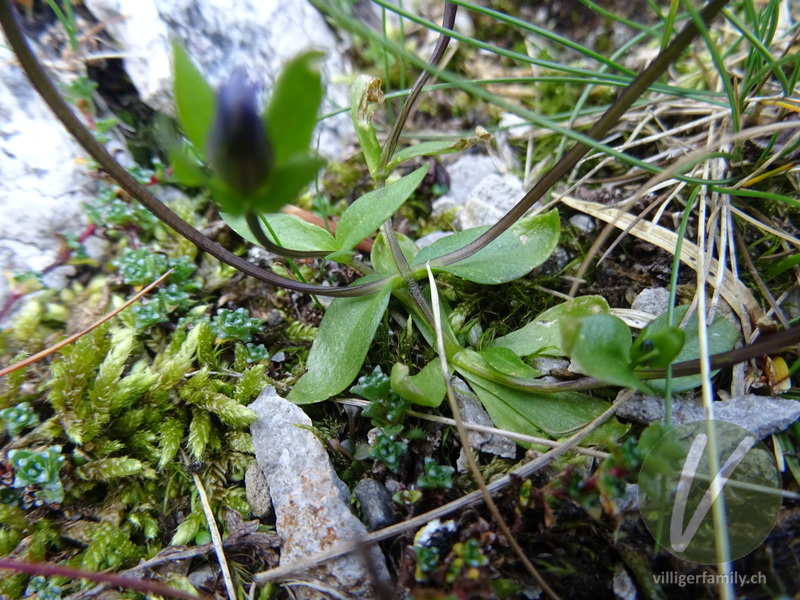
<point>254,223</point>
<point>438,52</point>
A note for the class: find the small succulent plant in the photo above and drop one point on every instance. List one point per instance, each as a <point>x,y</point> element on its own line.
<point>40,469</point>
<point>19,417</point>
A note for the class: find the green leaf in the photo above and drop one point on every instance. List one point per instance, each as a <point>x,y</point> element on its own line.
<point>437,147</point>
<point>369,212</point>
<point>657,347</point>
<point>426,388</point>
<point>364,96</point>
<point>602,348</point>
<point>199,432</point>
<point>505,361</point>
<point>188,529</point>
<point>288,179</point>
<point>381,256</point>
<point>195,100</point>
<point>342,342</point>
<point>524,246</point>
<point>292,232</point>
<point>436,475</point>
<point>543,334</point>
<point>291,115</point>
<point>783,265</point>
<point>113,467</point>
<point>543,415</point>
<point>722,337</point>
<point>187,169</point>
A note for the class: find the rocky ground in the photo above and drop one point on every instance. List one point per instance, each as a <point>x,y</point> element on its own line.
<point>173,415</point>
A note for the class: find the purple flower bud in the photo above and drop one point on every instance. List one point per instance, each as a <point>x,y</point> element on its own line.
<point>238,147</point>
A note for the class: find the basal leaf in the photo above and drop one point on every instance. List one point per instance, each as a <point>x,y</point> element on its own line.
<point>342,342</point>
<point>291,114</point>
<point>367,213</point>
<point>506,362</point>
<point>426,388</point>
<point>524,246</point>
<point>195,100</point>
<point>543,334</point>
<point>292,232</point>
<point>543,415</point>
<point>722,337</point>
<point>602,350</point>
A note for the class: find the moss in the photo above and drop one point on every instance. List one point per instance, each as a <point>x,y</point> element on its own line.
<point>121,401</point>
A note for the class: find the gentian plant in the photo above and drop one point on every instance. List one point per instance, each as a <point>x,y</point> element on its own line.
<point>251,186</point>
<point>254,163</point>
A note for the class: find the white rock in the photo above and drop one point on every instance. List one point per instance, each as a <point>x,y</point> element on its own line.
<point>761,415</point>
<point>465,174</point>
<point>259,35</point>
<point>42,180</point>
<point>493,197</point>
<point>473,412</point>
<point>654,301</point>
<point>516,126</point>
<point>583,223</point>
<point>312,505</point>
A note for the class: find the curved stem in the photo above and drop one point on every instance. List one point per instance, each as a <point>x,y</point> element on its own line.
<point>768,345</point>
<point>448,20</point>
<point>254,223</point>
<point>623,102</point>
<point>63,112</point>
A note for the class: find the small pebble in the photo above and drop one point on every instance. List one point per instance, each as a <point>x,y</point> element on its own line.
<point>376,502</point>
<point>204,577</point>
<point>583,223</point>
<point>653,301</point>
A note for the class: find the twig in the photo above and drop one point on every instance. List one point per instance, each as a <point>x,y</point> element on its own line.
<point>530,439</point>
<point>473,463</point>
<point>216,538</point>
<point>164,557</point>
<point>54,570</point>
